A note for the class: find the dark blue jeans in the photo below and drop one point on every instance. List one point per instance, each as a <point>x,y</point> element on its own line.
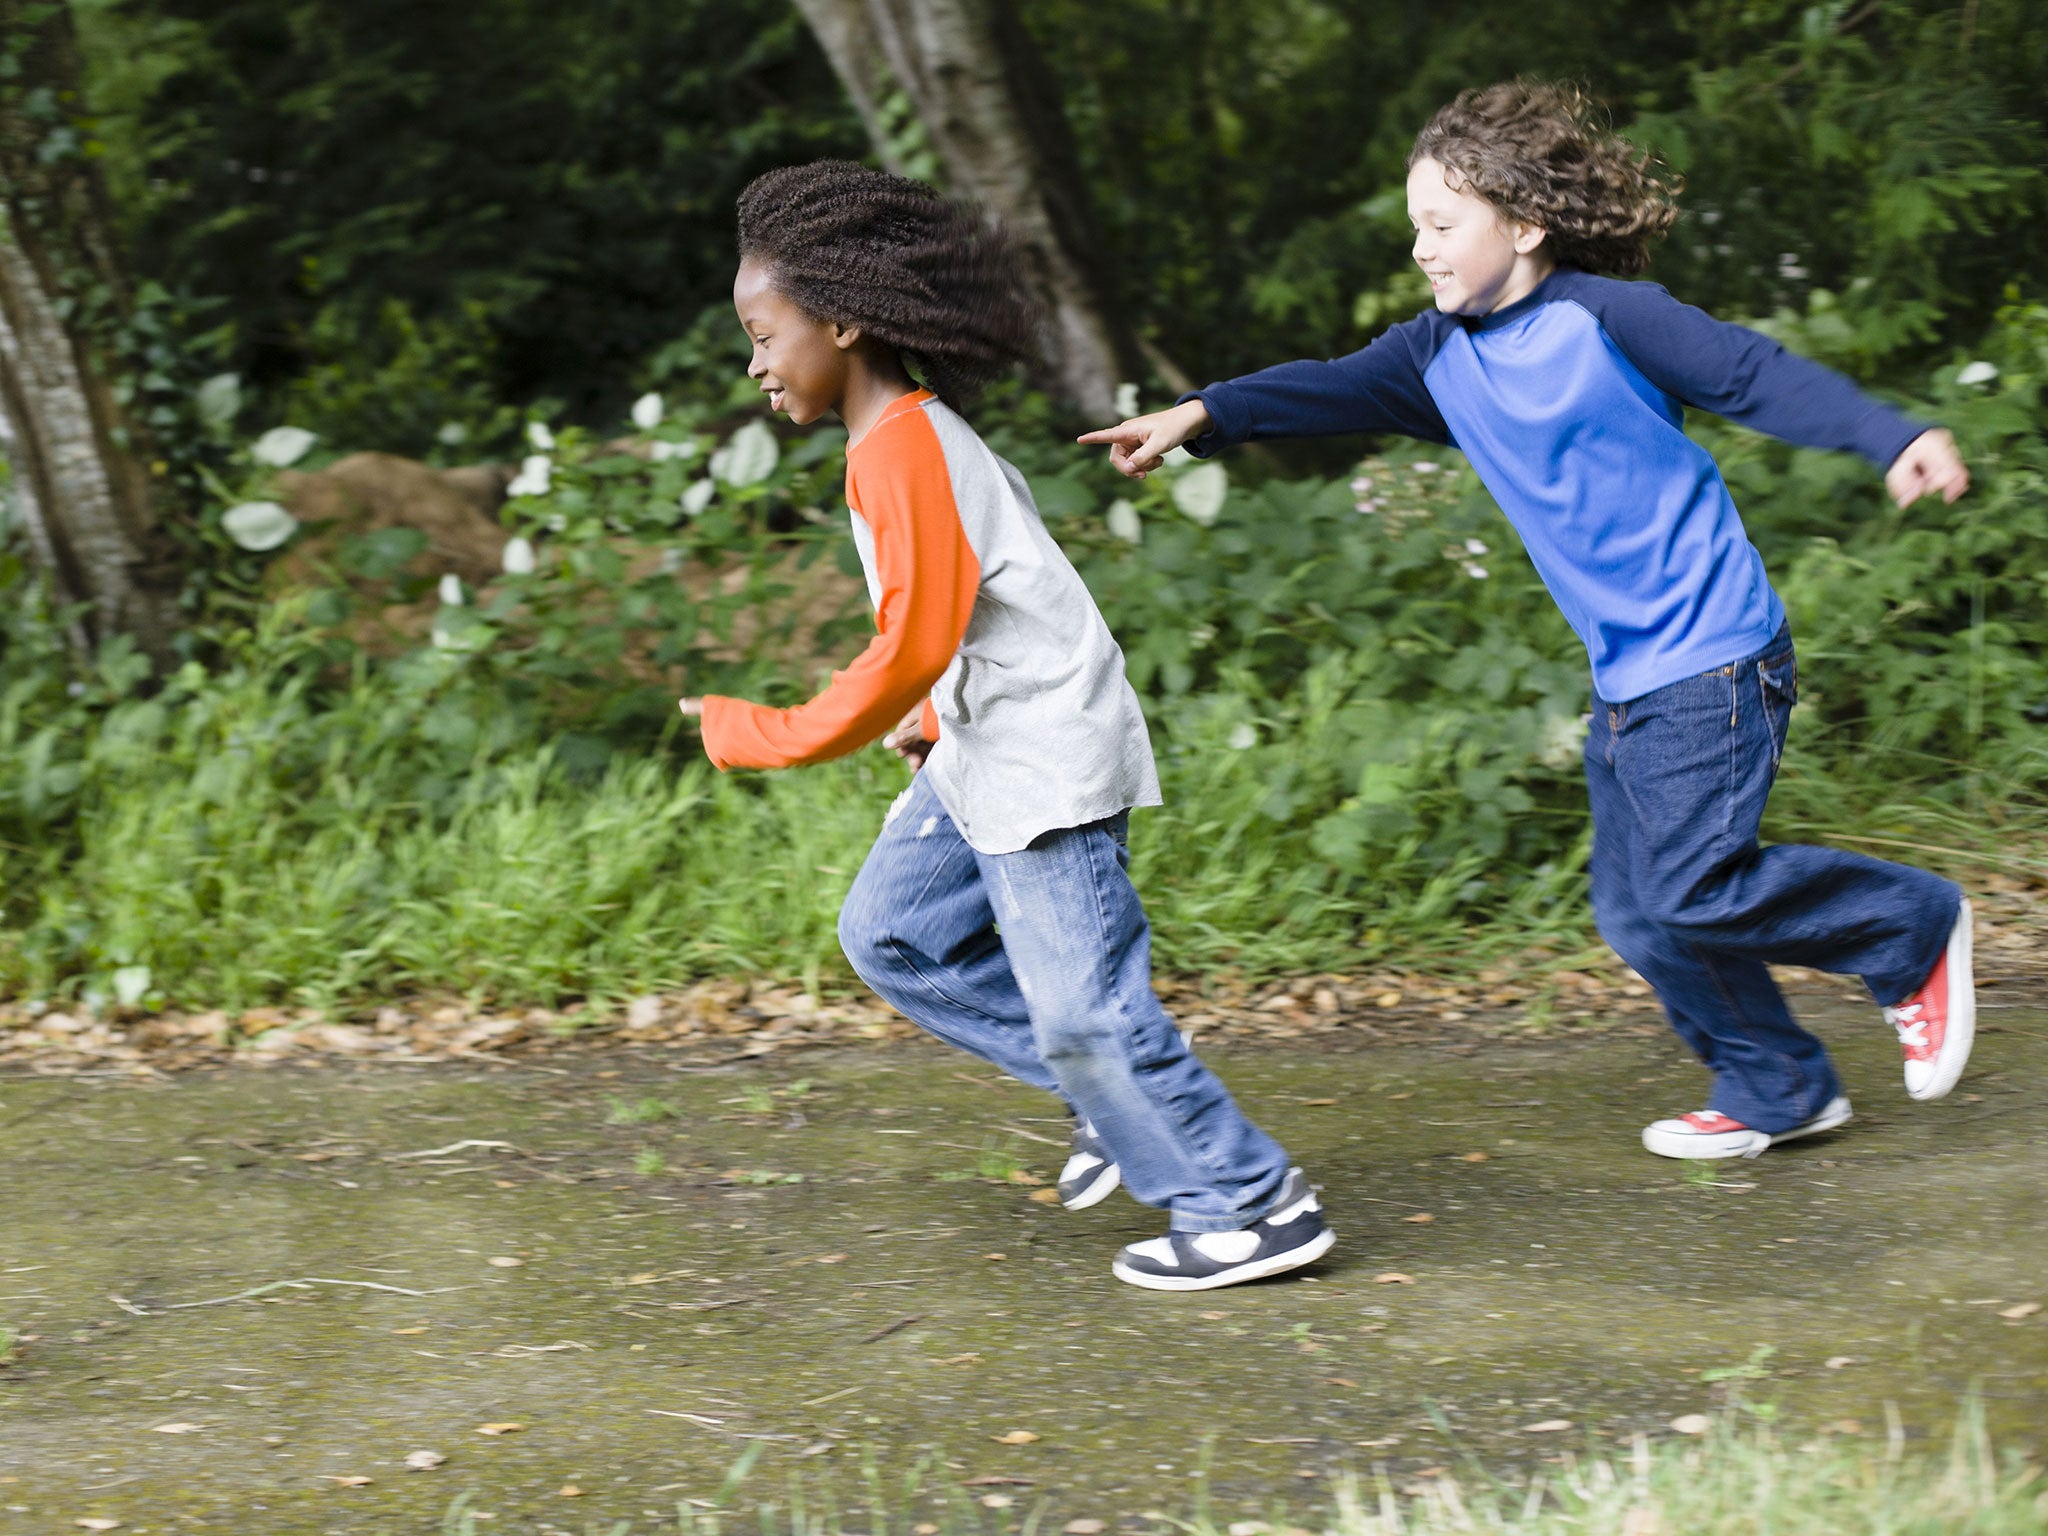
<point>1061,998</point>
<point>1684,893</point>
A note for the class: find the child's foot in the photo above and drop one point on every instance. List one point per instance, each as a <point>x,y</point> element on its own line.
<point>1707,1133</point>
<point>1091,1174</point>
<point>1293,1235</point>
<point>1937,1024</point>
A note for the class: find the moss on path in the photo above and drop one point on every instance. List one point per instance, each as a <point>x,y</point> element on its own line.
<point>651,1270</point>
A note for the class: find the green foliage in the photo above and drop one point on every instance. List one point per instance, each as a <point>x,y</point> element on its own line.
<point>400,201</point>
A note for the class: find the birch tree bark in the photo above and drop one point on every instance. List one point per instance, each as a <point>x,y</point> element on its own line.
<point>81,479</point>
<point>988,106</point>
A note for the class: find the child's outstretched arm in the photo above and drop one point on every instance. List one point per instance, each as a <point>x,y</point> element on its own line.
<point>1747,377</point>
<point>1378,388</point>
<point>928,577</point>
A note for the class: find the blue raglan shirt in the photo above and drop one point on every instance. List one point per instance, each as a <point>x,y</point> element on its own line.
<point>1570,405</point>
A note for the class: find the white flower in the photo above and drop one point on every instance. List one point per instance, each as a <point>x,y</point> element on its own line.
<point>647,412</point>
<point>1475,547</point>
<point>518,556</point>
<point>1175,457</point>
<point>1244,734</point>
<point>1362,485</point>
<point>537,433</point>
<point>1476,572</point>
<point>1200,491</point>
<point>1424,466</point>
<point>131,984</point>
<point>451,591</point>
<point>662,450</point>
<point>258,525</point>
<point>1368,505</point>
<point>1126,403</point>
<point>698,497</point>
<point>749,456</point>
<point>453,434</point>
<point>1123,521</point>
<point>532,479</point>
<point>1977,373</point>
<point>217,401</point>
<point>281,446</point>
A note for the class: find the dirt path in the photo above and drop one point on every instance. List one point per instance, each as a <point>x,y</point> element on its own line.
<point>652,1267</point>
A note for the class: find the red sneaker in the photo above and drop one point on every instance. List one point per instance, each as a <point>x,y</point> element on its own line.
<point>1709,1133</point>
<point>1937,1024</point>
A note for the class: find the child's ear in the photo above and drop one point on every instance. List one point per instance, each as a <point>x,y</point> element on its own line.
<point>845,336</point>
<point>1528,237</point>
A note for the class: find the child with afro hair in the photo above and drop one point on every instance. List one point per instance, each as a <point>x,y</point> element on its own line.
<point>1567,391</point>
<point>1027,743</point>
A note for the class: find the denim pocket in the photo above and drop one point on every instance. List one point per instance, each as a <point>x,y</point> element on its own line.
<point>1777,680</point>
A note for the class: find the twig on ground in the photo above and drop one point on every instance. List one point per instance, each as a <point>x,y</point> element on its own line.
<point>885,1331</point>
<point>276,1285</point>
<point>454,1146</point>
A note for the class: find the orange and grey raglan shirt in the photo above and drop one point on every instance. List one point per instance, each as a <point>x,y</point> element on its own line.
<point>979,614</point>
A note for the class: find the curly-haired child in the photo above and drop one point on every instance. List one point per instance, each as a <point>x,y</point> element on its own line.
<point>1028,747</point>
<point>1567,391</point>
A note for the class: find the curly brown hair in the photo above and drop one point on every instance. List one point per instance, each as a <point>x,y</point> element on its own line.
<point>1542,153</point>
<point>934,279</point>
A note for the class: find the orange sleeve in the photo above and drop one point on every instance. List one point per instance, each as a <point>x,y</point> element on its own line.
<point>928,576</point>
<point>928,721</point>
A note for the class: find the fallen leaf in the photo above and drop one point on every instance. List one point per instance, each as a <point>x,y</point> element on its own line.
<point>832,1258</point>
<point>1212,1317</point>
<point>2024,1309</point>
<point>571,1491</point>
<point>94,1524</point>
<point>1408,1095</point>
<point>1836,1362</point>
<point>996,1501</point>
<point>1083,1528</point>
<point>994,1257</point>
<point>1546,1426</point>
<point>178,1429</point>
<point>1419,1218</point>
<point>1393,1277</point>
<point>1388,1000</point>
<point>997,1480</point>
<point>1047,1196</point>
<point>1692,1424</point>
<point>1842,1427</point>
<point>1476,1157</point>
<point>350,1482</point>
<point>1019,1176</point>
<point>408,1330</point>
<point>424,1461</point>
<point>1379,1444</point>
<point>1317,1103</point>
<point>1015,1437</point>
<point>499,1429</point>
<point>1340,1381</point>
<point>504,1261</point>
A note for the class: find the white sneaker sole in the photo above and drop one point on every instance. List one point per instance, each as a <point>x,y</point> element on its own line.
<point>1100,1189</point>
<point>1691,1144</point>
<point>1272,1264</point>
<point>1961,1033</point>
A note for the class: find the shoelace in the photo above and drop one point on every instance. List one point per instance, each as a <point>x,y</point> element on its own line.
<point>1910,1025</point>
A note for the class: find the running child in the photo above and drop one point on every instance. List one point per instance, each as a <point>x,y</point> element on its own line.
<point>1567,391</point>
<point>1028,748</point>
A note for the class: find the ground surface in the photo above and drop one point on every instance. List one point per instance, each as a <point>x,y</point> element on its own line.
<point>829,1262</point>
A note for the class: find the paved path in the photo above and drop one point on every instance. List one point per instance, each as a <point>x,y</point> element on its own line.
<point>826,1263</point>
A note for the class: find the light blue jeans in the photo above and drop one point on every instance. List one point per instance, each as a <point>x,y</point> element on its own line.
<point>1061,998</point>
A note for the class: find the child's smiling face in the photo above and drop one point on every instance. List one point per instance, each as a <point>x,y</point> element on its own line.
<point>1476,260</point>
<point>802,364</point>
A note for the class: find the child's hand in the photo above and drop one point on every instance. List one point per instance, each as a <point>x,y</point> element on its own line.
<point>693,709</point>
<point>907,740</point>
<point>1140,445</point>
<point>1930,463</point>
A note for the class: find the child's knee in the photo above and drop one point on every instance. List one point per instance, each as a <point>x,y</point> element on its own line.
<point>865,940</point>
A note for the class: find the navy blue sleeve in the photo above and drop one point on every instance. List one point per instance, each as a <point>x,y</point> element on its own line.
<point>1741,374</point>
<point>1376,389</point>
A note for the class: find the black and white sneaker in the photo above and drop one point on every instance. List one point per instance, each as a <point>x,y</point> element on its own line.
<point>1091,1174</point>
<point>1293,1235</point>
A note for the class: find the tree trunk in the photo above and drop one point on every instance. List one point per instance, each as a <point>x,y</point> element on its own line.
<point>81,481</point>
<point>987,103</point>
